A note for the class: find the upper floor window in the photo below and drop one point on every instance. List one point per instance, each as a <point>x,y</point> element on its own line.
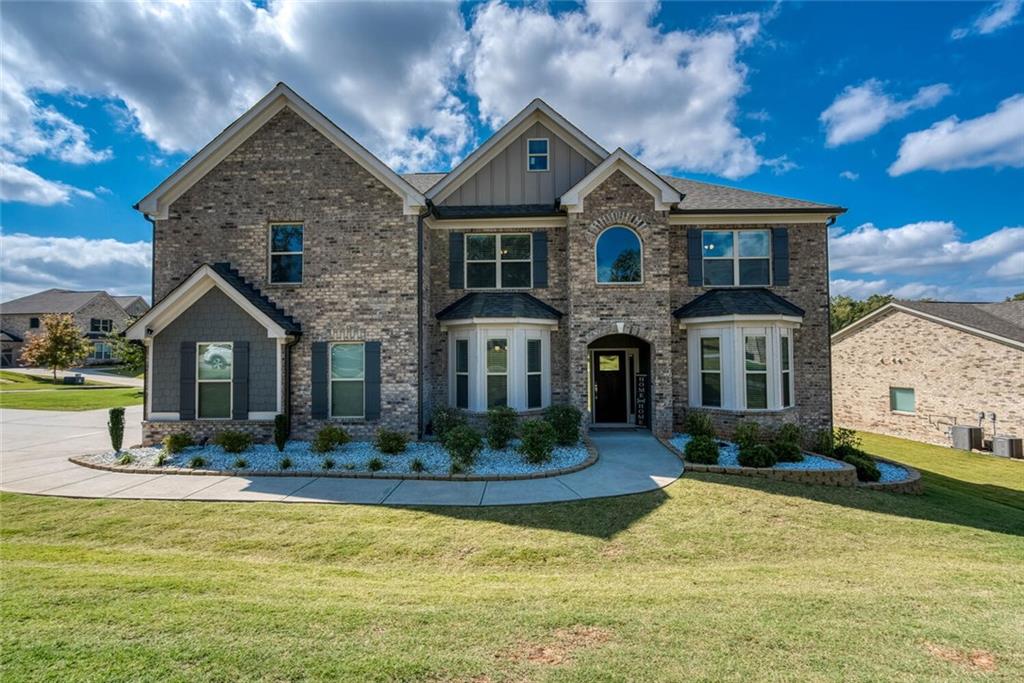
<point>33,323</point>
<point>494,261</point>
<point>286,254</point>
<point>537,154</point>
<point>737,257</point>
<point>214,373</point>
<point>619,256</point>
<point>101,325</point>
<point>348,380</point>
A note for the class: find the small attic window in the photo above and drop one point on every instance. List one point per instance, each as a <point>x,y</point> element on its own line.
<point>537,154</point>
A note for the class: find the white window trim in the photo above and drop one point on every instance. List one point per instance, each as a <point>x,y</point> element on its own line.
<point>331,380</point>
<point>103,325</point>
<point>271,253</point>
<point>497,261</point>
<point>230,382</point>
<point>701,371</point>
<point>456,373</point>
<point>517,335</point>
<point>756,333</point>
<point>891,401</point>
<point>733,364</point>
<point>736,258</point>
<point>487,371</point>
<point>597,277</point>
<point>546,155</point>
<point>530,373</point>
<point>783,379</point>
<point>108,348</point>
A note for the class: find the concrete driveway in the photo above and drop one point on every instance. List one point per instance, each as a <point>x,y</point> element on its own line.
<point>35,445</point>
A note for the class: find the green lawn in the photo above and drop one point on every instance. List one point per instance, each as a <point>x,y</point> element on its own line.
<point>31,392</point>
<point>715,578</point>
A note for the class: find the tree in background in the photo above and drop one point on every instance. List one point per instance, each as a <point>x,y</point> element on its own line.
<point>59,347</point>
<point>626,267</point>
<point>131,354</point>
<point>845,310</point>
<point>1019,296</point>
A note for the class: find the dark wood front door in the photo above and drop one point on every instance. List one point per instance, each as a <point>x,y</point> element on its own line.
<point>610,389</point>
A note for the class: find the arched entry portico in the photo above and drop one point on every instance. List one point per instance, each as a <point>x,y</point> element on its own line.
<point>619,387</point>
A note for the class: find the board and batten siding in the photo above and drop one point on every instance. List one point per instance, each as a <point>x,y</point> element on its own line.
<point>214,318</point>
<point>504,180</point>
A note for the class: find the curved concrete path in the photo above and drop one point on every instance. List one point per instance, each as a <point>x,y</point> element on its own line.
<point>35,445</point>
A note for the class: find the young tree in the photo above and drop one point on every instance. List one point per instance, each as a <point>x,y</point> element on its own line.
<point>59,347</point>
<point>131,354</point>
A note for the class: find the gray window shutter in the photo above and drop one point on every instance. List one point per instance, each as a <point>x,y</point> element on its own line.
<point>240,381</point>
<point>456,258</point>
<point>318,376</point>
<point>780,256</point>
<point>371,375</point>
<point>187,375</point>
<point>540,258</point>
<point>695,257</point>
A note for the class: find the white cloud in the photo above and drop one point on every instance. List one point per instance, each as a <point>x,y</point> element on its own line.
<point>995,17</point>
<point>31,263</point>
<point>1009,268</point>
<point>858,289</point>
<point>761,116</point>
<point>849,175</point>
<point>675,93</point>
<point>994,139</point>
<point>863,110</point>
<point>18,184</point>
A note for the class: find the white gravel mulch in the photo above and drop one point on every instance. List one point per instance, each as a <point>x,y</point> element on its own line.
<point>729,453</point>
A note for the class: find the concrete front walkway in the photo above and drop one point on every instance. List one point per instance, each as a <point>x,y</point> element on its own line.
<point>35,445</point>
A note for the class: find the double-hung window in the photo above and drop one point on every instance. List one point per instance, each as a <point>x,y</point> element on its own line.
<point>101,325</point>
<point>499,261</point>
<point>102,351</point>
<point>214,373</point>
<point>347,379</point>
<point>462,373</point>
<point>497,372</point>
<point>736,257</point>
<point>711,371</point>
<point>537,154</point>
<point>534,374</point>
<point>286,254</point>
<point>755,360</point>
<point>786,369</point>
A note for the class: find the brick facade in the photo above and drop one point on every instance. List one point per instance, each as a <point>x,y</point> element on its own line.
<point>954,374</point>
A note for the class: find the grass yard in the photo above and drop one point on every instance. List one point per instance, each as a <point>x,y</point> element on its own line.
<point>32,392</point>
<point>715,578</point>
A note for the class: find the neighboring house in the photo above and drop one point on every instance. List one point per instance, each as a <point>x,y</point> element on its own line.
<point>295,272</point>
<point>96,313</point>
<point>915,368</point>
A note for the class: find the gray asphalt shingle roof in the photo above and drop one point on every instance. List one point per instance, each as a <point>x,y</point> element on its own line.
<point>49,301</point>
<point>125,301</point>
<point>8,337</point>
<point>499,305</point>
<point>740,301</point>
<point>1004,319</point>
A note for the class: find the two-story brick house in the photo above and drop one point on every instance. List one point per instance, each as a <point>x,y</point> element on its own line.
<point>296,273</point>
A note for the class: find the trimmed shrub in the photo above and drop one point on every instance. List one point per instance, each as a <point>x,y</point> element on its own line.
<point>699,424</point>
<point>757,455</point>
<point>501,426</point>
<point>329,438</point>
<point>445,419</point>
<point>824,442</point>
<point>327,464</point>
<point>390,442</point>
<point>285,464</point>
<point>566,421</point>
<point>786,451</point>
<point>866,468</point>
<point>537,441</point>
<point>233,441</point>
<point>162,458</point>
<point>747,434</point>
<point>790,433</point>
<point>115,427</point>
<point>197,461</point>
<point>240,463</point>
<point>417,465</point>
<point>281,430</point>
<point>702,450</point>
<point>375,465</point>
<point>463,443</point>
<point>125,459</point>
<point>177,442</point>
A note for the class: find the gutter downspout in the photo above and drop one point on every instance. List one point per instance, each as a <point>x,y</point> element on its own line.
<point>287,383</point>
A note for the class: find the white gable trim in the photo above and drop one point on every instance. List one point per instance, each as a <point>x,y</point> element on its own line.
<point>189,292</point>
<point>665,196</point>
<point>156,203</point>
<point>878,314</point>
<point>537,111</point>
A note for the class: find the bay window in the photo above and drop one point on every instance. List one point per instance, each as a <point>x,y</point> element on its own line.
<point>755,361</point>
<point>534,373</point>
<point>462,373</point>
<point>736,257</point>
<point>502,261</point>
<point>711,371</point>
<point>496,365</point>
<point>737,366</point>
<point>497,372</point>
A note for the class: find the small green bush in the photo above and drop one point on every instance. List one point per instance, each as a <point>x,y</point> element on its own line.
<point>329,438</point>
<point>824,442</point>
<point>390,442</point>
<point>281,430</point>
<point>125,459</point>
<point>757,455</point>
<point>162,458</point>
<point>197,461</point>
<point>502,424</point>
<point>115,427</point>
<point>233,441</point>
<point>747,434</point>
<point>177,442</point>
<point>866,468</point>
<point>566,421</point>
<point>463,443</point>
<point>699,424</point>
<point>417,465</point>
<point>790,433</point>
<point>240,463</point>
<point>327,464</point>
<point>538,441</point>
<point>786,451</point>
<point>702,450</point>
<point>375,465</point>
<point>445,419</point>
<point>285,463</point>
<point>845,441</point>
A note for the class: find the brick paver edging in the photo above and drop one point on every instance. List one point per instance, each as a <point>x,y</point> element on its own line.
<point>345,474</point>
<point>912,485</point>
<point>846,476</point>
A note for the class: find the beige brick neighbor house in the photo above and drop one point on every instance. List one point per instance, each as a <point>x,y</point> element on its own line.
<point>916,368</point>
<point>294,272</point>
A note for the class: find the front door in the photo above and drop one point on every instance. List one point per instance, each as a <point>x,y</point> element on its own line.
<point>610,388</point>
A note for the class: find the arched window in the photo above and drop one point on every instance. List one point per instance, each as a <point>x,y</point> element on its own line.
<point>619,256</point>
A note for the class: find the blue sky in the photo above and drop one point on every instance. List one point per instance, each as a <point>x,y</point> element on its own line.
<point>911,115</point>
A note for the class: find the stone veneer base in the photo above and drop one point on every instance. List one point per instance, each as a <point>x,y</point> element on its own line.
<point>345,474</point>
